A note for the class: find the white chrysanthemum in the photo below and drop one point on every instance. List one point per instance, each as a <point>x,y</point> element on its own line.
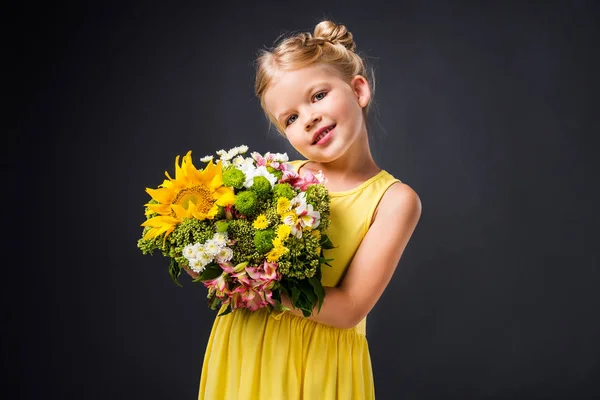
<point>259,171</point>
<point>220,238</point>
<point>225,254</point>
<point>198,265</point>
<point>243,163</point>
<point>211,247</point>
<point>206,159</point>
<point>197,248</point>
<point>228,155</point>
<point>242,149</point>
<point>189,252</point>
<point>221,152</point>
<point>279,157</point>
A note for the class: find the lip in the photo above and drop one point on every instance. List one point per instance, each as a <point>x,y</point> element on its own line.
<point>321,130</point>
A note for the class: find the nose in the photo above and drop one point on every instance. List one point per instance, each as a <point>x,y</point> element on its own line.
<point>312,120</point>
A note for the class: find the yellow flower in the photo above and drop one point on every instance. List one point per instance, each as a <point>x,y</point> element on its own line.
<point>283,205</point>
<point>283,231</point>
<point>261,222</point>
<point>316,234</point>
<point>192,194</point>
<point>277,242</point>
<point>276,253</point>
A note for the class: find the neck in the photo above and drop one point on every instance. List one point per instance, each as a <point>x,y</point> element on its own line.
<point>356,162</point>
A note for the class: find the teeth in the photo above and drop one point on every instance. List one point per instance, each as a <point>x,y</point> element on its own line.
<point>321,135</point>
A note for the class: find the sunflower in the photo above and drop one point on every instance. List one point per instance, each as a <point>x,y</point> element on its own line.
<point>192,194</point>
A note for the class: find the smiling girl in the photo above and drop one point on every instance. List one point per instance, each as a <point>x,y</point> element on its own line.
<point>314,89</point>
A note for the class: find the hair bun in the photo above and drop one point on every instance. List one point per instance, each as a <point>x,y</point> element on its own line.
<point>334,33</point>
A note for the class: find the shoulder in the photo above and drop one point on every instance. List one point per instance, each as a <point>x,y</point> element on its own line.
<point>399,201</point>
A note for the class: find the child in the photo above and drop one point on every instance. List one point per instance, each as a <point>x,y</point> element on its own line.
<point>314,89</point>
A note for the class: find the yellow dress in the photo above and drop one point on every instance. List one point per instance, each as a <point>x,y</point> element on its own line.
<point>281,356</point>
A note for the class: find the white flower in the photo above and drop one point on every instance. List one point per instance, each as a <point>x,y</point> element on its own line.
<point>321,177</point>
<point>224,255</point>
<point>243,163</point>
<point>228,155</point>
<point>242,149</point>
<point>278,157</point>
<point>189,252</point>
<point>259,171</point>
<point>197,248</point>
<point>207,159</point>
<point>221,153</point>
<point>198,264</point>
<point>211,247</point>
<point>220,238</point>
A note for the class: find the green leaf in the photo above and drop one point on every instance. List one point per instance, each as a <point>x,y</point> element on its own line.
<point>325,261</point>
<point>175,271</point>
<point>319,290</point>
<point>326,243</point>
<point>226,311</point>
<point>295,295</point>
<point>211,271</point>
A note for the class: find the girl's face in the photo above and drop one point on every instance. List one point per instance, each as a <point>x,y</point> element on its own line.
<point>320,113</point>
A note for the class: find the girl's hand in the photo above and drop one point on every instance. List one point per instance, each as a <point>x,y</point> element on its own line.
<point>285,301</point>
<point>191,273</point>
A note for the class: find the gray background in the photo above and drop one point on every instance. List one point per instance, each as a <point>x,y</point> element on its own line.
<point>487,109</point>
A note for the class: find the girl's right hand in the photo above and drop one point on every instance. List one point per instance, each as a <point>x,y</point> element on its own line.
<point>191,273</point>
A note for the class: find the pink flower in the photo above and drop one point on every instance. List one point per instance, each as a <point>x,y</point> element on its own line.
<point>249,296</point>
<point>265,273</point>
<point>218,286</point>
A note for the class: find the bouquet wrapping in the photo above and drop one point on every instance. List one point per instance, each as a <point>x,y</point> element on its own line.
<point>250,228</point>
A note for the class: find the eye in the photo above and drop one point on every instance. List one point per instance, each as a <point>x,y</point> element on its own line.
<point>320,96</point>
<point>290,119</point>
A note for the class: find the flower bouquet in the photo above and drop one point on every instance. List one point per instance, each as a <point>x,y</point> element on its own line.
<point>250,227</point>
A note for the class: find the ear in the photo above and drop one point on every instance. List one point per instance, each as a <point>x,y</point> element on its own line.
<point>360,87</point>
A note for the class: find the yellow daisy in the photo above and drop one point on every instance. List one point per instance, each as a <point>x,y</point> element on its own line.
<point>261,222</point>
<point>276,253</point>
<point>283,231</point>
<point>283,205</point>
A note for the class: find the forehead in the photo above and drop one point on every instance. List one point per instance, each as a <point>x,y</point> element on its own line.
<point>288,86</point>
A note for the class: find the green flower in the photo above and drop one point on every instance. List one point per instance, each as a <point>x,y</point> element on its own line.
<point>263,240</point>
<point>234,177</point>
<point>261,186</point>
<point>283,190</point>
<point>245,202</point>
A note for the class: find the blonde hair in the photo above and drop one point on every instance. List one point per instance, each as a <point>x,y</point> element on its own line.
<point>330,44</point>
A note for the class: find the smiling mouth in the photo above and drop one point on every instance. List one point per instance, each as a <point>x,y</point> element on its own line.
<point>322,134</point>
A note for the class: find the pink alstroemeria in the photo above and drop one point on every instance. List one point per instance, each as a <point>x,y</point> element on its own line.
<point>249,297</point>
<point>273,160</point>
<point>307,216</point>
<point>218,286</point>
<point>266,272</point>
<point>302,183</point>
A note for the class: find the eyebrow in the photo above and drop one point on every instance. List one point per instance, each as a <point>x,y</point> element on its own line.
<point>310,89</point>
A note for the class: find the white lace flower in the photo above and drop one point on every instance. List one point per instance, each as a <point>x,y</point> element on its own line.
<point>206,159</point>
